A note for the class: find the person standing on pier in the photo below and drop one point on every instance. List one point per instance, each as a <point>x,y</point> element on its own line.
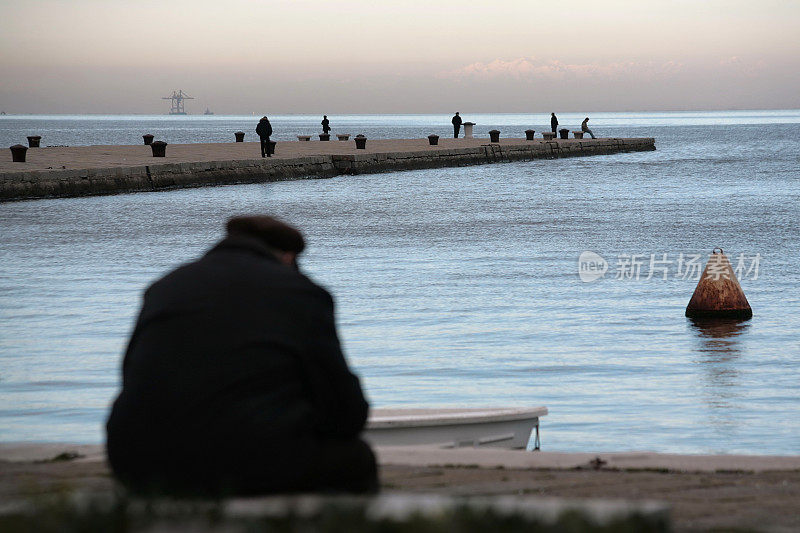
<point>553,122</point>
<point>234,381</point>
<point>456,125</point>
<point>264,130</point>
<point>585,127</point>
<point>326,124</point>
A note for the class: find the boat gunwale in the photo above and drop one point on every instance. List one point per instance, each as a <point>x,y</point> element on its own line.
<point>451,417</point>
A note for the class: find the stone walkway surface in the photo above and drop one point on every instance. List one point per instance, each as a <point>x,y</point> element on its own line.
<point>82,157</point>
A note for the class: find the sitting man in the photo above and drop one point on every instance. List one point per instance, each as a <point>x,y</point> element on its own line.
<point>585,127</point>
<point>234,381</point>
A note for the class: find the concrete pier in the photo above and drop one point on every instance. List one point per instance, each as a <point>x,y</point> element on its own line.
<point>94,170</point>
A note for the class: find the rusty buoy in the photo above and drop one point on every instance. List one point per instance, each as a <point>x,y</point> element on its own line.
<point>718,293</point>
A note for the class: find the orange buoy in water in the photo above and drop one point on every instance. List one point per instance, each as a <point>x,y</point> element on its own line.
<point>718,293</point>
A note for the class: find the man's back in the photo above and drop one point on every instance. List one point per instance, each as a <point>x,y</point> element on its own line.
<point>235,347</point>
<point>263,128</point>
<point>233,340</point>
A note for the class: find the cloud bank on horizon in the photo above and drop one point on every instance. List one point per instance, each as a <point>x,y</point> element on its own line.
<point>531,67</point>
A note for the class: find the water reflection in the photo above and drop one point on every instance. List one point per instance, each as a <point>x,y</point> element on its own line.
<point>719,343</point>
<point>719,334</point>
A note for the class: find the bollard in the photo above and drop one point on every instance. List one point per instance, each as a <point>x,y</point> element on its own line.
<point>361,142</point>
<point>564,133</point>
<point>718,293</point>
<point>529,135</point>
<point>33,140</point>
<point>18,153</point>
<point>548,135</point>
<point>324,136</point>
<point>239,136</point>
<point>148,139</point>
<point>271,148</point>
<point>159,148</point>
<point>304,138</point>
<point>578,134</point>
<point>494,136</point>
<point>343,136</point>
<point>433,140</point>
<point>468,129</point>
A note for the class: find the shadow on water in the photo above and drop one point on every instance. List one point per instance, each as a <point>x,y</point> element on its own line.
<point>719,344</point>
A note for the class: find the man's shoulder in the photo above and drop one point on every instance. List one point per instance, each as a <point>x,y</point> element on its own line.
<point>243,262</point>
<point>237,276</point>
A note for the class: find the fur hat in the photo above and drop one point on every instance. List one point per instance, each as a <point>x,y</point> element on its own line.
<point>272,231</point>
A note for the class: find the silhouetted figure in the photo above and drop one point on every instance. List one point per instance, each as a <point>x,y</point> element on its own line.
<point>456,125</point>
<point>326,124</point>
<point>585,127</point>
<point>553,122</point>
<point>264,130</point>
<point>234,381</point>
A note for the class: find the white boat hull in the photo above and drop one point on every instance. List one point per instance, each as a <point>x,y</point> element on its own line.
<point>453,428</point>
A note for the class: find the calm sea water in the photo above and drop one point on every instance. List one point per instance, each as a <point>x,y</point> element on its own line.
<point>454,286</point>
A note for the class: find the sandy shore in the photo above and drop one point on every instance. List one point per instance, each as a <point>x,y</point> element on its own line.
<point>760,493</point>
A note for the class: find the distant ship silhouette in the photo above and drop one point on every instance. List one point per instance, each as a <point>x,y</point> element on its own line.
<point>208,112</point>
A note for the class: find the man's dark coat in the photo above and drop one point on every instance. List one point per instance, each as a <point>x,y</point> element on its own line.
<point>264,128</point>
<point>456,125</point>
<point>235,354</point>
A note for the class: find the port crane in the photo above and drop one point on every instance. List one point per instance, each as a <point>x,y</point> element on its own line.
<point>177,98</point>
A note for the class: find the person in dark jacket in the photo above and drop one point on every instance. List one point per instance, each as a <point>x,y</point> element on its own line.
<point>585,127</point>
<point>326,124</point>
<point>234,381</point>
<point>264,130</point>
<point>456,125</point>
<point>553,122</point>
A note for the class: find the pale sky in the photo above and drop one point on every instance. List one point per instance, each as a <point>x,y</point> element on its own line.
<point>350,56</point>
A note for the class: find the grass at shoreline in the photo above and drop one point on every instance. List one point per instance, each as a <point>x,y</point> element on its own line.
<point>121,514</point>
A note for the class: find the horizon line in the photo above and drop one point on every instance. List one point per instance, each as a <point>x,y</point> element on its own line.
<point>698,110</point>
